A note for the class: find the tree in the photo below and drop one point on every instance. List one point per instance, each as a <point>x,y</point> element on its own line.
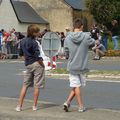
<point>104,11</point>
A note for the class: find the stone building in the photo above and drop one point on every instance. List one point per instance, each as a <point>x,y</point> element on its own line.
<point>53,14</point>
<point>19,14</point>
<point>61,13</point>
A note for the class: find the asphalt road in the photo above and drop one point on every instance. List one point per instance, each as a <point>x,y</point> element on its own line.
<point>97,65</point>
<point>96,94</point>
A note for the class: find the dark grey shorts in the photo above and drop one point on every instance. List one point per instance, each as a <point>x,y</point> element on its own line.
<point>34,76</point>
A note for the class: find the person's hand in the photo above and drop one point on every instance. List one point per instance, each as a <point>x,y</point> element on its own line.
<point>22,58</point>
<point>93,48</point>
<point>41,63</point>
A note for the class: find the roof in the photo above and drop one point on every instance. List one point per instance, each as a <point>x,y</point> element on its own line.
<point>25,13</point>
<point>76,4</point>
<point>0,1</point>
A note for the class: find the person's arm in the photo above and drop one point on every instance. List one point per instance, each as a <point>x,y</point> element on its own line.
<point>90,42</point>
<point>98,46</point>
<point>37,54</point>
<point>66,49</point>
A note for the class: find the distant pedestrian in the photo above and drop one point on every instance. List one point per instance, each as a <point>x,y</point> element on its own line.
<point>104,34</point>
<point>4,41</point>
<point>61,48</point>
<point>76,51</point>
<point>99,50</point>
<point>11,42</point>
<point>114,34</point>
<point>95,32</point>
<point>29,50</point>
<point>1,39</point>
<point>67,29</point>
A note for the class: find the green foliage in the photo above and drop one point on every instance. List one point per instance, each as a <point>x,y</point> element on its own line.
<point>104,11</point>
<point>117,14</point>
<point>59,71</point>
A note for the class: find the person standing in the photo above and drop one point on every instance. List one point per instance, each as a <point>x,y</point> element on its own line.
<point>67,29</point>
<point>76,51</point>
<point>95,33</point>
<point>114,33</point>
<point>29,50</point>
<point>4,41</point>
<point>11,42</point>
<point>104,33</point>
<point>1,39</point>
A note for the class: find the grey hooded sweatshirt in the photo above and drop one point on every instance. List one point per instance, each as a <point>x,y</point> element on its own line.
<point>76,49</point>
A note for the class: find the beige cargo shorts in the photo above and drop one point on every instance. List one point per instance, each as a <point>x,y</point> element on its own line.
<point>34,76</point>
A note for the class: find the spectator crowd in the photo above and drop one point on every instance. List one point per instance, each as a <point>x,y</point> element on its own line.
<point>9,41</point>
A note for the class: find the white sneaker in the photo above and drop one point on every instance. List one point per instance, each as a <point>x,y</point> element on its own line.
<point>18,108</point>
<point>34,108</point>
<point>66,107</point>
<point>81,109</point>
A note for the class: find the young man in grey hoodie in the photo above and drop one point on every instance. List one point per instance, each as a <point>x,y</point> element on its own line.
<point>76,48</point>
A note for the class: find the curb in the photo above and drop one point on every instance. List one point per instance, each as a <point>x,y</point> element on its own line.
<point>98,76</point>
<point>48,111</point>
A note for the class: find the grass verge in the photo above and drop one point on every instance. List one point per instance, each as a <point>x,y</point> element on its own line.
<point>96,72</point>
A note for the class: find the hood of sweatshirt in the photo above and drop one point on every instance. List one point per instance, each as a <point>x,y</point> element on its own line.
<point>77,37</point>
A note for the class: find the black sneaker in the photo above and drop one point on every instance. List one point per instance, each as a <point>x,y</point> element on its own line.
<point>66,107</point>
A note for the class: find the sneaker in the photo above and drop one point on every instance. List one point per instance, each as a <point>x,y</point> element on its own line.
<point>96,58</point>
<point>66,107</point>
<point>18,108</point>
<point>81,109</point>
<point>34,108</point>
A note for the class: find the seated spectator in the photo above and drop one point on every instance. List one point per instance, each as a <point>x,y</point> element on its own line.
<point>99,50</point>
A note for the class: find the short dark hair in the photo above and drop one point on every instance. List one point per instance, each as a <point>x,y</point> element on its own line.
<point>77,23</point>
<point>32,29</point>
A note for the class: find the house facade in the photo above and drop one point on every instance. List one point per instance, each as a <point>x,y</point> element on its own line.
<point>61,13</point>
<point>17,14</point>
<point>55,15</point>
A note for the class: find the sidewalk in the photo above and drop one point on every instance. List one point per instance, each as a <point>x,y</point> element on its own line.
<point>50,111</point>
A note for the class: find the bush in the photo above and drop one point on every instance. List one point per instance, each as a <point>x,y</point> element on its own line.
<point>112,53</point>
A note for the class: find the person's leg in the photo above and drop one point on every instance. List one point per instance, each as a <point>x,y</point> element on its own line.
<point>39,79</point>
<point>103,41</point>
<point>97,57</point>
<point>69,99</point>
<point>106,42</point>
<point>101,53</point>
<point>36,95</point>
<point>28,80</point>
<point>22,95</point>
<point>71,96</point>
<point>115,41</point>
<point>97,52</point>
<point>78,95</point>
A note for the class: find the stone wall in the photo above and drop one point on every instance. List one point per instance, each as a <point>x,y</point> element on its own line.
<point>86,16</point>
<point>59,14</point>
<point>56,12</point>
